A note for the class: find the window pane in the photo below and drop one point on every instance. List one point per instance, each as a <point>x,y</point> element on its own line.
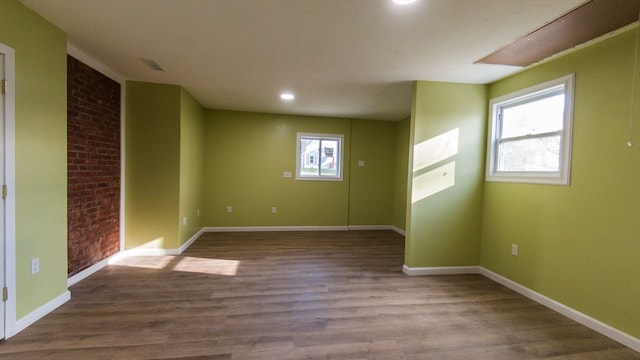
<point>309,156</point>
<point>329,158</point>
<point>319,157</point>
<point>536,117</point>
<point>537,154</point>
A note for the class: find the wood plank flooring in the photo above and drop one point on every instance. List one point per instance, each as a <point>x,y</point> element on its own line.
<point>299,295</point>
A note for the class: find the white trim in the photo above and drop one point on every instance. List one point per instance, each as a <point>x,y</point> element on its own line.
<point>594,324</point>
<point>10,202</point>
<point>575,315</point>
<point>191,240</point>
<point>40,312</point>
<point>89,271</point>
<point>560,177</point>
<point>107,71</point>
<point>300,228</point>
<point>399,231</point>
<point>115,258</point>
<point>370,227</point>
<point>90,61</point>
<point>275,228</point>
<point>443,270</point>
<point>337,137</point>
<point>126,253</point>
<point>164,252</point>
<point>122,163</point>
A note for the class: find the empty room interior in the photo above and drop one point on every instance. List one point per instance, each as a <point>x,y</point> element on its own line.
<point>264,179</point>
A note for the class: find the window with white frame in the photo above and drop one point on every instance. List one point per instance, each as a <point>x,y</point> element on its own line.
<point>319,156</point>
<point>530,134</point>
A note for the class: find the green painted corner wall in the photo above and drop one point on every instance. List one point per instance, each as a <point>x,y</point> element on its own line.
<point>371,187</point>
<point>578,244</point>
<point>191,165</point>
<point>247,153</point>
<point>152,165</point>
<point>40,154</point>
<point>401,173</point>
<point>447,137</point>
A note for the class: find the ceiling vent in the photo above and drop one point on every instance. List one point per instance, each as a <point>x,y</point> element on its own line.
<point>152,64</point>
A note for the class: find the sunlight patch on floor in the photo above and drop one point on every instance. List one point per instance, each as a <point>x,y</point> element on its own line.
<point>207,266</point>
<point>184,264</point>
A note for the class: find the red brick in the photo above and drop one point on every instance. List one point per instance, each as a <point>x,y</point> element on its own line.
<point>93,143</point>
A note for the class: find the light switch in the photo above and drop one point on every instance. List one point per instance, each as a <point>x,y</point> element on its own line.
<point>286,174</point>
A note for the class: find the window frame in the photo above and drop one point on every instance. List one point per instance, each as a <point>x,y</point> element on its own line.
<point>530,94</point>
<point>320,136</point>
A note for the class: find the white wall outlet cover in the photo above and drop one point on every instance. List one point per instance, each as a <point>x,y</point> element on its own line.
<point>286,174</point>
<point>360,162</point>
<point>35,266</point>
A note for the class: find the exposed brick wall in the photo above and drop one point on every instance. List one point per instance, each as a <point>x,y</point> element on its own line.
<point>93,166</point>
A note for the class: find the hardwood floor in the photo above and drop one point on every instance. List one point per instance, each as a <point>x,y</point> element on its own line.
<point>299,295</point>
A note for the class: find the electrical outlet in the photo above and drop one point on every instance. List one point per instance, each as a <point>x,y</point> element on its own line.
<point>274,210</point>
<point>229,209</point>
<point>184,221</point>
<point>35,266</point>
<point>198,213</point>
<point>514,249</point>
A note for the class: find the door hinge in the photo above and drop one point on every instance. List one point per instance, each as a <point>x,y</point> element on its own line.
<point>5,294</point>
<point>4,192</point>
<point>5,84</point>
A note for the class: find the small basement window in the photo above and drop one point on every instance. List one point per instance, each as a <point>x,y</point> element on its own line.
<point>530,134</point>
<point>319,156</point>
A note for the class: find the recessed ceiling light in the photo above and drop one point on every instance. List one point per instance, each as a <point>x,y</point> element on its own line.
<point>404,2</point>
<point>287,96</point>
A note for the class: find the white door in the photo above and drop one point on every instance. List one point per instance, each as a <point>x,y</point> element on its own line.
<point>7,193</point>
<point>3,115</point>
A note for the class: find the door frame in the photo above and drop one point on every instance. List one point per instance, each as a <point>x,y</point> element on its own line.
<point>9,256</point>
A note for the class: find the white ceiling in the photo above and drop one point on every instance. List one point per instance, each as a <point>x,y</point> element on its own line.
<point>342,58</point>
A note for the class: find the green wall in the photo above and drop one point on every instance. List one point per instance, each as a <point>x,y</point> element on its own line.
<point>371,186</point>
<point>152,165</point>
<point>247,153</point>
<point>401,173</point>
<point>447,138</point>
<point>578,244</point>
<point>191,165</point>
<point>40,154</point>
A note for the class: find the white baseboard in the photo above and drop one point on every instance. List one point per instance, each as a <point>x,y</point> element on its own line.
<point>164,252</point>
<point>301,228</point>
<point>127,253</point>
<point>445,270</point>
<point>89,271</point>
<point>172,252</point>
<point>597,325</point>
<point>40,312</point>
<point>399,231</point>
<point>189,242</point>
<point>274,228</point>
<point>369,227</point>
<point>594,324</point>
